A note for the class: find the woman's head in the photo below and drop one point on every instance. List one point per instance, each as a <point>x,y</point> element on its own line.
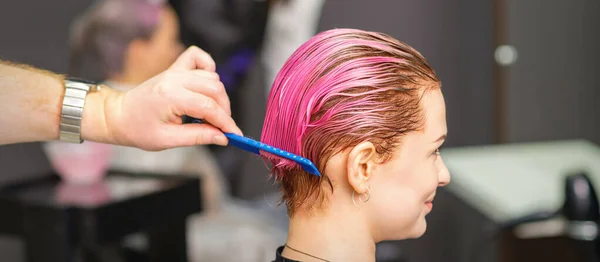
<point>368,110</point>
<point>136,37</point>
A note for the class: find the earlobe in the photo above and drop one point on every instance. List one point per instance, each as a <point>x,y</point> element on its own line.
<point>364,197</point>
<point>361,164</point>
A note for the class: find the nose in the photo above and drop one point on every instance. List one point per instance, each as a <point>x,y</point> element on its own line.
<point>443,173</point>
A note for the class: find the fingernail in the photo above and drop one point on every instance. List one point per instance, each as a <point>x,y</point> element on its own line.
<point>220,140</point>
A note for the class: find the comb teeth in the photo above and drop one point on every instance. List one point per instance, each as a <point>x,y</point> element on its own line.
<point>255,147</point>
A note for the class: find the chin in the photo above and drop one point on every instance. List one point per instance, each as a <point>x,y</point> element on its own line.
<point>419,229</point>
<point>416,231</point>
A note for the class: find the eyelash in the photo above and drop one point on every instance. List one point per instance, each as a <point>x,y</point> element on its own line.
<point>436,152</point>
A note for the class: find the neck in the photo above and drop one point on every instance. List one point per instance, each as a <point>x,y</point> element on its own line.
<point>331,236</point>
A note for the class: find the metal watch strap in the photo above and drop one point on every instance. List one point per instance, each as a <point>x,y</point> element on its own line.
<point>72,110</point>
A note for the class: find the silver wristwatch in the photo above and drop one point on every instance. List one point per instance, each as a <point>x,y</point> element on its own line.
<point>72,109</point>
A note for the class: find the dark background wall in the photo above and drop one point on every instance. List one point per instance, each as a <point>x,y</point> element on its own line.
<point>455,36</point>
<point>36,31</point>
<point>554,86</point>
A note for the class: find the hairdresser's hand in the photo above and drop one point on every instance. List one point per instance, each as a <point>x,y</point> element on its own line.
<point>150,115</point>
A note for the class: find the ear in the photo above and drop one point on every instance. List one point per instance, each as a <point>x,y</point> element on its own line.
<point>361,162</point>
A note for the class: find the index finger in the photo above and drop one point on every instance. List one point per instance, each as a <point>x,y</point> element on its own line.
<point>194,58</point>
<point>203,107</point>
<point>196,81</point>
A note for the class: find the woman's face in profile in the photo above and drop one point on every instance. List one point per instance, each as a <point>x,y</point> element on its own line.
<point>403,188</point>
<point>164,46</point>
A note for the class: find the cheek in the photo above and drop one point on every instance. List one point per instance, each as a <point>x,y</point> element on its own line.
<point>399,200</point>
<point>419,180</point>
<point>399,206</point>
<point>404,189</point>
<point>165,49</point>
<point>172,50</point>
<point>164,54</point>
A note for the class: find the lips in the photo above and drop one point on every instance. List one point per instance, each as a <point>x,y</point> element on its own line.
<point>429,202</point>
<point>429,205</point>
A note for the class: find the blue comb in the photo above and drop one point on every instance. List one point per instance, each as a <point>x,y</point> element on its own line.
<point>255,147</point>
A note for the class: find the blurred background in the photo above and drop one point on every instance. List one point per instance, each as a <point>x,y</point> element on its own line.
<point>520,78</point>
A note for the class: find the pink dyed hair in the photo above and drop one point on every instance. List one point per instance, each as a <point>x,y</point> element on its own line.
<point>339,89</point>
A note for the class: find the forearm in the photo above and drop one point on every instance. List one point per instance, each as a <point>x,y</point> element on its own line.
<point>31,104</point>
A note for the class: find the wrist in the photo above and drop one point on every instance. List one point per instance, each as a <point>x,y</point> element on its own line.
<point>51,123</point>
<point>99,112</point>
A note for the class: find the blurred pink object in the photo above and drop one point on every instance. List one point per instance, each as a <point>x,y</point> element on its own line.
<point>83,194</point>
<point>81,164</point>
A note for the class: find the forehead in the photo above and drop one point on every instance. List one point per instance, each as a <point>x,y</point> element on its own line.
<point>415,144</point>
<point>434,112</point>
<point>434,117</point>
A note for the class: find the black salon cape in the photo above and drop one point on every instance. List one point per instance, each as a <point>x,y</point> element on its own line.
<point>280,258</point>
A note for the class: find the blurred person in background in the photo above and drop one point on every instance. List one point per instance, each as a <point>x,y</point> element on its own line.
<point>131,41</point>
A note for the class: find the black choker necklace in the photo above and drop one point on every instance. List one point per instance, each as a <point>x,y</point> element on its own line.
<point>286,245</point>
